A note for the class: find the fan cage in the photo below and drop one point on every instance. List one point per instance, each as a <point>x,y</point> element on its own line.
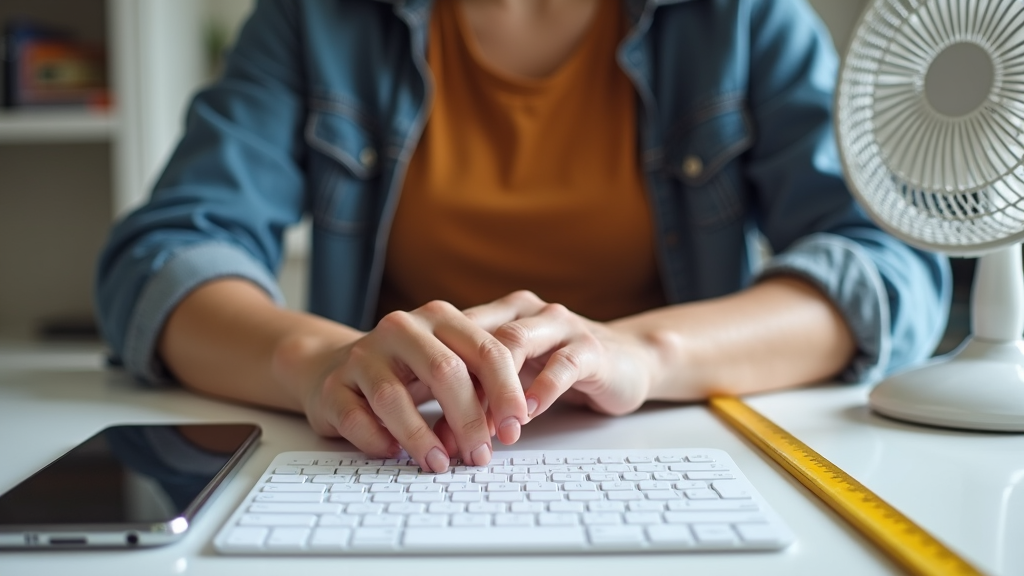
<point>949,184</point>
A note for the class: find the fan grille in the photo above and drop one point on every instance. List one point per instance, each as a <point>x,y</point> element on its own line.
<point>951,182</point>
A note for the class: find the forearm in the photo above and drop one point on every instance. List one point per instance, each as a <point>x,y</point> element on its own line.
<point>779,333</point>
<point>228,338</point>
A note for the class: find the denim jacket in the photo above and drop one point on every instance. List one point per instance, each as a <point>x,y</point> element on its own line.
<point>321,106</point>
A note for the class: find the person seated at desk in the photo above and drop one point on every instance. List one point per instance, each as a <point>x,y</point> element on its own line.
<point>513,201</point>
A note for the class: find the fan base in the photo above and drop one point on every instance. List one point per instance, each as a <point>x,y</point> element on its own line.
<point>978,386</point>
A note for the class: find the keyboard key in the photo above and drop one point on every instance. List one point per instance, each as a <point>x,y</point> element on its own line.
<point>288,478</point>
<point>731,489</point>
<point>466,497</point>
<point>708,476</point>
<point>277,520</point>
<point>527,507</point>
<point>464,487</point>
<point>347,497</point>
<point>375,537</point>
<point>496,538</point>
<point>566,507</point>
<point>602,518</point>
<point>288,497</point>
<point>715,534</point>
<point>541,487</point>
<point>701,494</point>
<point>288,470</point>
<point>471,520</point>
<point>426,520</point>
<point>585,496</point>
<point>684,505</point>
<point>445,508</point>
<point>426,497</point>
<point>617,486</point>
<point>662,495</point>
<point>318,488</point>
<point>382,520</point>
<point>247,537</point>
<point>335,488</point>
<point>330,538</point>
<point>505,496</point>
<point>485,508</point>
<point>375,478</point>
<point>513,519</point>
<point>285,538</point>
<point>616,535</point>
<point>425,488</point>
<point>557,519</point>
<point>625,496</point>
<point>646,506</point>
<point>338,520</point>
<point>263,508</point>
<point>757,533</point>
<point>730,517</point>
<point>643,518</point>
<point>364,508</point>
<point>662,534</point>
<point>319,470</point>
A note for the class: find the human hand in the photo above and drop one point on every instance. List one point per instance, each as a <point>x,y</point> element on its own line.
<point>368,390</point>
<point>561,354</point>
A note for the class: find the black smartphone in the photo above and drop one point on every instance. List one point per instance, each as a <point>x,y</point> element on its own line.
<point>127,486</point>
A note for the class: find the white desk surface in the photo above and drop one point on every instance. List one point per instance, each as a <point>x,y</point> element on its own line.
<point>961,486</point>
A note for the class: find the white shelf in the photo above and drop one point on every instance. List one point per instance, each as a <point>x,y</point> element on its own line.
<point>56,126</point>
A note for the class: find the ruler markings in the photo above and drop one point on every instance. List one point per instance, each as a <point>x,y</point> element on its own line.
<point>908,544</point>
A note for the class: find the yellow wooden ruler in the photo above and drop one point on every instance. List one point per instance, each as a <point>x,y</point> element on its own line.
<point>907,543</point>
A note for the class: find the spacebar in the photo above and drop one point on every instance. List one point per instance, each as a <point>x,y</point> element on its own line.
<point>495,538</point>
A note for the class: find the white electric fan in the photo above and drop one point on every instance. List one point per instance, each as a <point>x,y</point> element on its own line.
<point>930,122</point>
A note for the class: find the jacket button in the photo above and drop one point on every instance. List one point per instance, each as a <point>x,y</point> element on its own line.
<point>692,166</point>
<point>368,157</point>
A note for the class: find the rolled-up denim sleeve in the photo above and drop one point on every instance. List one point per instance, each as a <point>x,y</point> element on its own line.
<point>221,206</point>
<point>894,298</point>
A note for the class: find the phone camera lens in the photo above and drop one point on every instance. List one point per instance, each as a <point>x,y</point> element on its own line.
<point>132,539</point>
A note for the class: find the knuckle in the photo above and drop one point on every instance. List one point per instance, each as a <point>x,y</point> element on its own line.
<point>387,397</point>
<point>526,297</point>
<point>556,310</point>
<point>569,359</point>
<point>475,426</point>
<point>397,320</point>
<point>492,351</point>
<point>436,308</point>
<point>446,367</point>
<point>512,335</point>
<point>350,420</point>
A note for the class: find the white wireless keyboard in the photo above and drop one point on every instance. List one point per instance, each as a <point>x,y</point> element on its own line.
<point>324,503</point>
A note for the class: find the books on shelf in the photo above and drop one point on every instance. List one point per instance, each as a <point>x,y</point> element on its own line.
<point>45,67</point>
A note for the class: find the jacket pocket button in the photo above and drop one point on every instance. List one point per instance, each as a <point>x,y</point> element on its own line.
<point>368,157</point>
<point>692,166</point>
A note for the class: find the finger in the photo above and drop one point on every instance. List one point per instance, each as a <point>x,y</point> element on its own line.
<point>500,393</point>
<point>394,406</point>
<point>443,371</point>
<point>566,366</point>
<point>444,432</point>
<point>516,305</point>
<point>353,419</point>
<point>557,333</point>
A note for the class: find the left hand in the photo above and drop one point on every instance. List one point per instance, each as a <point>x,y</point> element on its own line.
<point>559,353</point>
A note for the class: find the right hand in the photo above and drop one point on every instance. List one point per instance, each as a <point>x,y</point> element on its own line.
<point>368,390</point>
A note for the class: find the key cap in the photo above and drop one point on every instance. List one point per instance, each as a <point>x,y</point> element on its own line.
<point>495,538</point>
<point>663,534</point>
<point>602,518</point>
<point>602,477</point>
<point>513,520</point>
<point>328,462</point>
<point>426,520</point>
<point>450,478</point>
<point>471,520</point>
<point>702,467</point>
<point>287,538</point>
<point>708,476</point>
<point>647,485</point>
<point>391,488</point>
<point>714,534</point>
<point>567,477</point>
<point>524,461</point>
<point>701,494</point>
<point>556,519</point>
<point>332,479</point>
<point>505,496</point>
<point>319,470</point>
<point>567,507</point>
<point>617,468</point>
<point>485,508</point>
<point>645,506</point>
<point>288,470</point>
<point>347,497</point>
<point>585,496</point>
<point>339,520</point>
<point>757,533</point>
<point>669,459</point>
<point>382,520</point>
<point>503,487</point>
<point>662,495</point>
<point>246,537</point>
<point>375,478</point>
<point>544,496</point>
<point>466,497</point>
<point>690,485</point>
<point>616,534</point>
<point>464,487</point>
<point>445,508</point>
<point>610,459</point>
<point>580,460</point>
<point>330,538</point>
<point>426,497</point>
<point>487,478</point>
<point>607,507</point>
<point>579,486</point>
<point>625,495</point>
<point>666,476</point>
<point>288,478</point>
<point>261,508</point>
<point>522,478</point>
<point>731,489</point>
<point>347,488</point>
<point>425,488</point>
<point>554,460</point>
<point>643,518</point>
<point>730,517</point>
<point>617,486</point>
<point>510,469</point>
<point>277,488</point>
<point>374,538</point>
<point>541,487</point>
<point>699,458</point>
<point>288,497</point>
<point>300,462</point>
<point>364,508</point>
<point>414,479</point>
<point>650,467</point>
<point>277,520</point>
<point>527,507</point>
<point>388,498</point>
<point>702,505</point>
<point>640,459</point>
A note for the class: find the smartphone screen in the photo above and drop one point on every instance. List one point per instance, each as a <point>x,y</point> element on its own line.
<point>125,485</point>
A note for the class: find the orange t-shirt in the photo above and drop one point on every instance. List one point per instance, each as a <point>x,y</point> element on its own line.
<point>525,183</point>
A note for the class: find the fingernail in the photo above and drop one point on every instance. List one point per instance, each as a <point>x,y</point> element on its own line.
<point>512,429</point>
<point>531,406</point>
<point>437,461</point>
<point>481,456</point>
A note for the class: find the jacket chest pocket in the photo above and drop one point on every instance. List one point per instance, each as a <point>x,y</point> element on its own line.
<point>344,169</point>
<point>701,157</point>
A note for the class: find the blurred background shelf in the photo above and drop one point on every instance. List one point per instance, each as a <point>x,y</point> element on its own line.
<point>35,126</point>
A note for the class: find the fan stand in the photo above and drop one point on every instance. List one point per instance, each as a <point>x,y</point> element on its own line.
<point>980,385</point>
